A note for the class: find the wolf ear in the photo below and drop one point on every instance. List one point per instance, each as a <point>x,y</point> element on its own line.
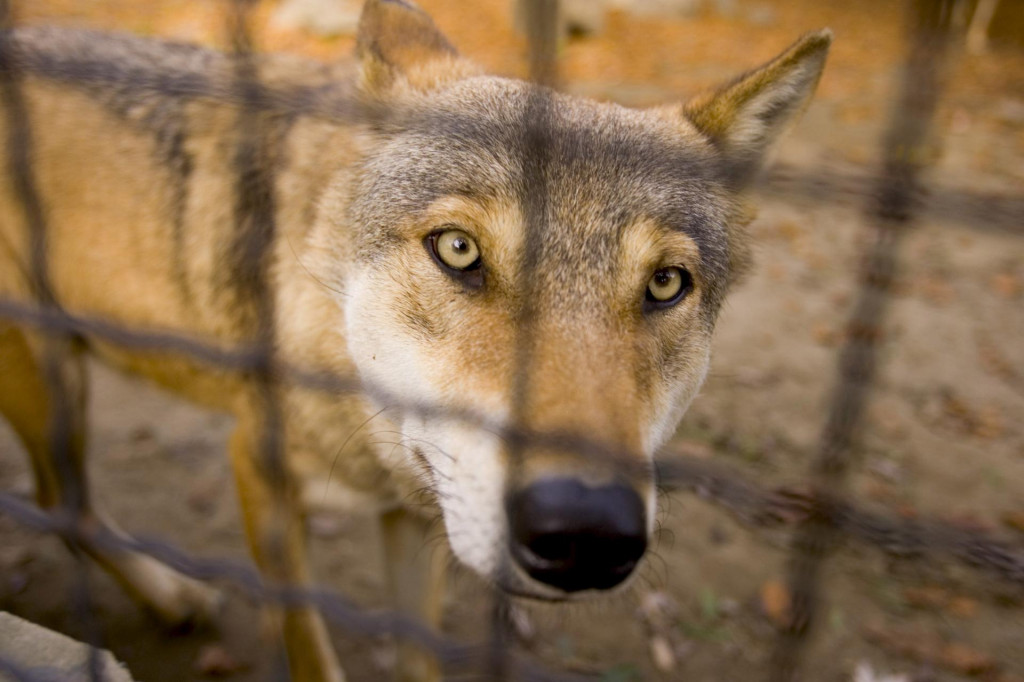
<point>744,118</point>
<point>397,42</point>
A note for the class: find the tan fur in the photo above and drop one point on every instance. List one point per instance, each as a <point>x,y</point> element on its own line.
<point>718,113</point>
<point>139,195</point>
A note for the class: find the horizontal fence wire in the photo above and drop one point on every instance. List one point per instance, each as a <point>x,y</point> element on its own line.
<point>335,607</point>
<point>972,209</point>
<point>751,504</point>
<point>989,212</point>
<point>821,515</point>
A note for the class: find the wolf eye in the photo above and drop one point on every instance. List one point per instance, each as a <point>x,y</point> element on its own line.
<point>456,249</point>
<point>668,286</point>
<point>457,254</point>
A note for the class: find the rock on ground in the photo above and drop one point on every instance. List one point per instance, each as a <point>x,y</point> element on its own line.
<point>28,649</point>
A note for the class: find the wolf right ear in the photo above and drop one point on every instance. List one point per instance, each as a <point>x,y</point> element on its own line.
<point>746,117</point>
<point>397,43</point>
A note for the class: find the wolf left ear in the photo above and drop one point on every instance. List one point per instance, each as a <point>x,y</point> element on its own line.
<point>397,42</point>
<point>745,118</point>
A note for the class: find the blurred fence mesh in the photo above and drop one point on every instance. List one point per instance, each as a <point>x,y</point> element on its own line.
<point>821,514</point>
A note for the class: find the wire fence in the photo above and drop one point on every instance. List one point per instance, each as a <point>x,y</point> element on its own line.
<point>821,516</point>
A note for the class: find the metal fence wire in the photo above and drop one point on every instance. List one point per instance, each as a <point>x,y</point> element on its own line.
<point>821,516</point>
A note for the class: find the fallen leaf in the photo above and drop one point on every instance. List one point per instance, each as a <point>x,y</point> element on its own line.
<point>1014,520</point>
<point>793,306</point>
<point>865,673</point>
<point>908,644</point>
<point>825,335</point>
<point>522,624</point>
<point>927,597</point>
<point>775,601</point>
<point>935,288</point>
<point>790,230</point>
<point>789,504</point>
<point>692,448</point>
<point>965,660</point>
<point>325,525</point>
<point>142,434</point>
<point>17,581</point>
<point>985,422</point>
<point>907,511</point>
<point>776,272</point>
<point>929,648</point>
<point>203,497</point>
<point>214,660</point>
<point>384,657</point>
<point>1006,284</point>
<point>963,607</point>
<point>658,610</point>
<point>887,469</point>
<point>12,557</point>
<point>971,522</point>
<point>1008,677</point>
<point>990,423</point>
<point>935,598</point>
<point>840,299</point>
<point>880,491</point>
<point>994,362</point>
<point>662,655</point>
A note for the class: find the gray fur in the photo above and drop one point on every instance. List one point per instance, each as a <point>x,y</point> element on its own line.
<point>605,165</point>
<point>599,167</point>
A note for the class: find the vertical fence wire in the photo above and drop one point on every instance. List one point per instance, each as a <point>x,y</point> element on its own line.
<point>254,231</point>
<point>540,18</point>
<point>65,430</point>
<point>891,213</point>
<point>255,227</point>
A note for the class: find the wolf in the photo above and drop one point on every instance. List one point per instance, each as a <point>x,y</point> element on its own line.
<point>523,285</point>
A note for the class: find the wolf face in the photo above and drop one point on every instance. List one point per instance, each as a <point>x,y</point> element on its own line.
<point>553,266</point>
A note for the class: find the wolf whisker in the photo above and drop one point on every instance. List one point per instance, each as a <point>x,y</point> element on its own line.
<point>399,444</point>
<point>410,439</point>
<point>316,279</point>
<point>337,454</point>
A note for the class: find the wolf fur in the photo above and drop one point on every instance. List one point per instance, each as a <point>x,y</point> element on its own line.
<point>573,205</point>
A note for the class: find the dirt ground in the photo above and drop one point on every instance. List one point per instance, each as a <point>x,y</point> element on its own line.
<point>945,434</point>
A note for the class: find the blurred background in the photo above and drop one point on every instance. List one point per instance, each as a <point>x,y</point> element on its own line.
<point>944,437</point>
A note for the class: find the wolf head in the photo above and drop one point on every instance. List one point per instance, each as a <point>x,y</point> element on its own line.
<point>553,266</point>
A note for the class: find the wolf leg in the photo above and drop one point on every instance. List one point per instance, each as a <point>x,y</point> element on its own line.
<point>275,530</point>
<point>26,401</point>
<point>416,573</point>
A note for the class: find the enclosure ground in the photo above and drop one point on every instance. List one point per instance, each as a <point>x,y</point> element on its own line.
<point>944,439</point>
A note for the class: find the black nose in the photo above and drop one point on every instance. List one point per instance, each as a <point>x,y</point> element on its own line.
<point>575,537</point>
